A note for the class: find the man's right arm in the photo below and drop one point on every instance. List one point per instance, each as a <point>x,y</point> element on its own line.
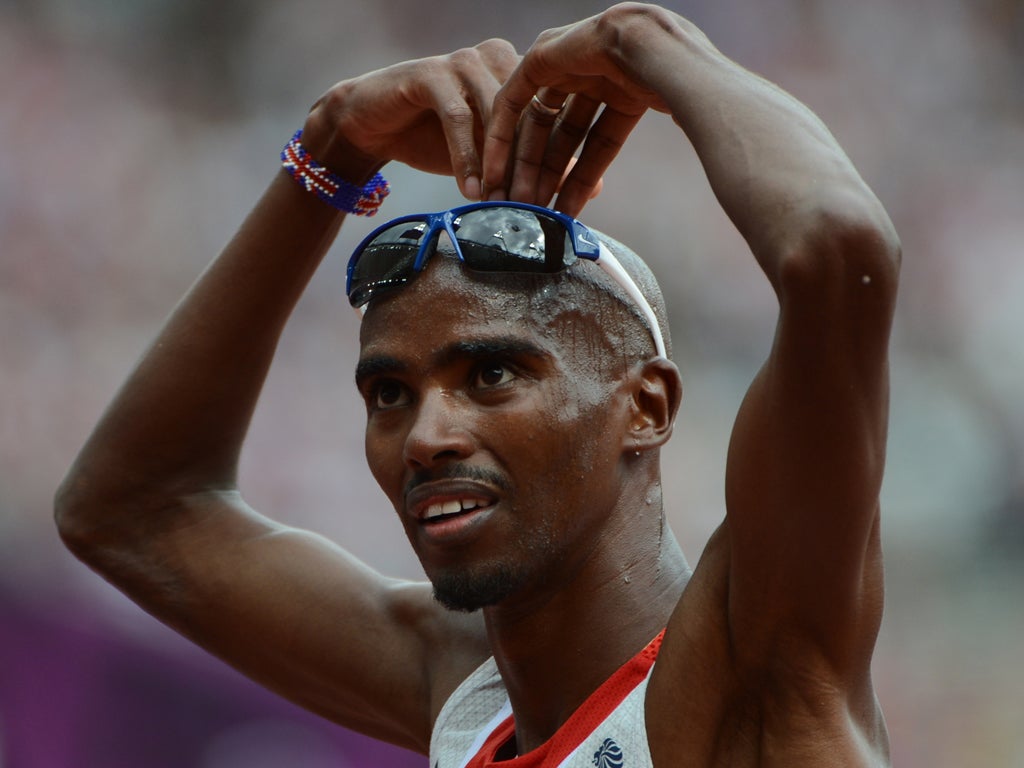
<point>152,504</point>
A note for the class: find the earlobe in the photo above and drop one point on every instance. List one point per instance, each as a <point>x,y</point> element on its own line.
<point>656,394</point>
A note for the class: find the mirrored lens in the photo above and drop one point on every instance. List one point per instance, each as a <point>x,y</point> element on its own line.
<point>386,262</point>
<point>513,240</point>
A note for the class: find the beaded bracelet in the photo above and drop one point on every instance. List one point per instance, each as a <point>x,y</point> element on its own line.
<point>332,189</point>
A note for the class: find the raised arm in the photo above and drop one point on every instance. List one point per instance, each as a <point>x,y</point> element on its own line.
<point>151,501</point>
<point>784,606</point>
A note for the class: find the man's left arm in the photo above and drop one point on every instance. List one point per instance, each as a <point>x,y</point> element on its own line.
<point>792,580</point>
<point>806,458</point>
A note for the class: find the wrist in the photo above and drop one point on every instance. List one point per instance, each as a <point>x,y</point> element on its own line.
<point>644,35</point>
<point>323,141</point>
<point>317,179</point>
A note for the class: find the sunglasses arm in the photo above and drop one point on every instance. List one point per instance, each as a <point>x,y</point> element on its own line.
<point>611,265</point>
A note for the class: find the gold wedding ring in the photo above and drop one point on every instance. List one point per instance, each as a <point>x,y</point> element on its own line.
<point>544,109</point>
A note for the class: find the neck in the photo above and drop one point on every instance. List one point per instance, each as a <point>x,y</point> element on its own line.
<point>555,646</point>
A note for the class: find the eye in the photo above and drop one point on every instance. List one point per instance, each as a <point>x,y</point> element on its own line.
<point>492,374</point>
<point>388,394</point>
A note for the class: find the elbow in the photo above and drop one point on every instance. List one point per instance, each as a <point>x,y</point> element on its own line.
<point>90,517</point>
<point>846,257</point>
<point>111,530</point>
<point>71,512</point>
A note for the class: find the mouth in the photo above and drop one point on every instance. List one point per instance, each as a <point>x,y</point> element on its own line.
<point>443,510</point>
<point>449,505</point>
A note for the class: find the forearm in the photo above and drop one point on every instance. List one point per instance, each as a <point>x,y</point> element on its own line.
<point>177,424</point>
<point>777,171</point>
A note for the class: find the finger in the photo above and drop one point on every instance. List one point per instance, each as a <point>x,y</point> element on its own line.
<point>458,123</point>
<point>500,59</point>
<point>603,143</point>
<point>569,132</point>
<point>535,127</point>
<point>500,139</point>
<point>568,169</point>
<point>461,97</point>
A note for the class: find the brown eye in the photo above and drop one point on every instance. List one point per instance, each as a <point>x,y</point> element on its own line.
<point>390,394</point>
<point>493,375</point>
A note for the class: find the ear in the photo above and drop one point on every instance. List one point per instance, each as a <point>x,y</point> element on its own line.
<point>657,390</point>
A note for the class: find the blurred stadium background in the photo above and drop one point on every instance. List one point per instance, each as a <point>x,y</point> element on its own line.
<point>135,137</point>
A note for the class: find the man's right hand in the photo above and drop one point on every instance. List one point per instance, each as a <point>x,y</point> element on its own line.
<point>430,114</point>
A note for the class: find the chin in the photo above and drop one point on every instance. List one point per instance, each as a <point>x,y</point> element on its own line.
<point>462,590</point>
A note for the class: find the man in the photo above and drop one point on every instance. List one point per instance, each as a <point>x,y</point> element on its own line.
<point>514,420</point>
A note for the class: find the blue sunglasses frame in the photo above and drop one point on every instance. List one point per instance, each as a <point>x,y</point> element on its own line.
<point>585,245</point>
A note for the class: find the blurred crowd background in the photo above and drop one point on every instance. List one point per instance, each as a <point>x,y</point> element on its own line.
<point>136,135</point>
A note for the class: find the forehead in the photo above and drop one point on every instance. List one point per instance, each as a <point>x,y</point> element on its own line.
<point>444,300</point>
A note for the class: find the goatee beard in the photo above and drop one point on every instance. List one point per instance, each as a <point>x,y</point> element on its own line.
<point>460,590</point>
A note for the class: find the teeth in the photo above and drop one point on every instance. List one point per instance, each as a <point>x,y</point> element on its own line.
<point>451,507</point>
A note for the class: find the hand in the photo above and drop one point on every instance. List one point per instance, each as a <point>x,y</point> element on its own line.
<point>429,114</point>
<point>583,66</point>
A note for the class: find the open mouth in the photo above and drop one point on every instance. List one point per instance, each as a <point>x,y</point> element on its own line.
<point>443,510</point>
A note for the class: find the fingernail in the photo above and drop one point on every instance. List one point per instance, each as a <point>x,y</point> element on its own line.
<point>472,187</point>
<point>497,194</point>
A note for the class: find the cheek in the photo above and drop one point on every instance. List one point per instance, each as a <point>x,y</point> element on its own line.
<point>594,440</point>
<point>384,458</point>
<point>568,437</point>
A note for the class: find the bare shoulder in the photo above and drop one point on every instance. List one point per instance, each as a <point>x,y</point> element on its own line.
<point>373,653</point>
<point>711,702</point>
<point>452,644</point>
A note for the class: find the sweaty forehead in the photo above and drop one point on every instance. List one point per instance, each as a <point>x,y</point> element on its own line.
<point>444,295</point>
<point>447,306</point>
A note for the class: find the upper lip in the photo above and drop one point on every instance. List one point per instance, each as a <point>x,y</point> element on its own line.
<point>419,500</point>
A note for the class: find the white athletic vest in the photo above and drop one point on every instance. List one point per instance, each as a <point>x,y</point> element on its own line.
<point>608,730</point>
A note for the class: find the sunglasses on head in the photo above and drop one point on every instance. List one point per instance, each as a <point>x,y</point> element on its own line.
<point>487,237</point>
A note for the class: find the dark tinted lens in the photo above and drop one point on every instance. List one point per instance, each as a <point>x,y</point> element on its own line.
<point>513,240</point>
<point>386,262</point>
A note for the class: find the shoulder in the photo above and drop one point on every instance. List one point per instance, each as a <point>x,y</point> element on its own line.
<point>453,645</point>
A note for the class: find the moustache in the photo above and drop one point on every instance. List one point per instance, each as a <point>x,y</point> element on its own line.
<point>458,472</point>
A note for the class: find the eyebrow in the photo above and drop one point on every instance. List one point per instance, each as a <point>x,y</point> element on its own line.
<point>474,349</point>
<point>500,346</point>
<point>377,366</point>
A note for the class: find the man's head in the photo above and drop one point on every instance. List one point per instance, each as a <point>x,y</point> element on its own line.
<point>512,417</point>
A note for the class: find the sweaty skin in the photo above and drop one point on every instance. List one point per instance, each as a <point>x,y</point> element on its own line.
<point>537,427</point>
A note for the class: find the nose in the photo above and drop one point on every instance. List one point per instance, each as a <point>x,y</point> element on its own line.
<point>439,432</point>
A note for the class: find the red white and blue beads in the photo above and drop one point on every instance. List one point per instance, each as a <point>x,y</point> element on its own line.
<point>332,189</point>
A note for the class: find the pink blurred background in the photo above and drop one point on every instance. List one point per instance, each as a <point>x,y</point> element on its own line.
<point>137,135</point>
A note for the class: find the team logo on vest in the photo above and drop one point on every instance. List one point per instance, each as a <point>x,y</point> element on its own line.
<point>609,755</point>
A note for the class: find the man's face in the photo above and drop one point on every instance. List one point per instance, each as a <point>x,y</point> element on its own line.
<point>496,438</point>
